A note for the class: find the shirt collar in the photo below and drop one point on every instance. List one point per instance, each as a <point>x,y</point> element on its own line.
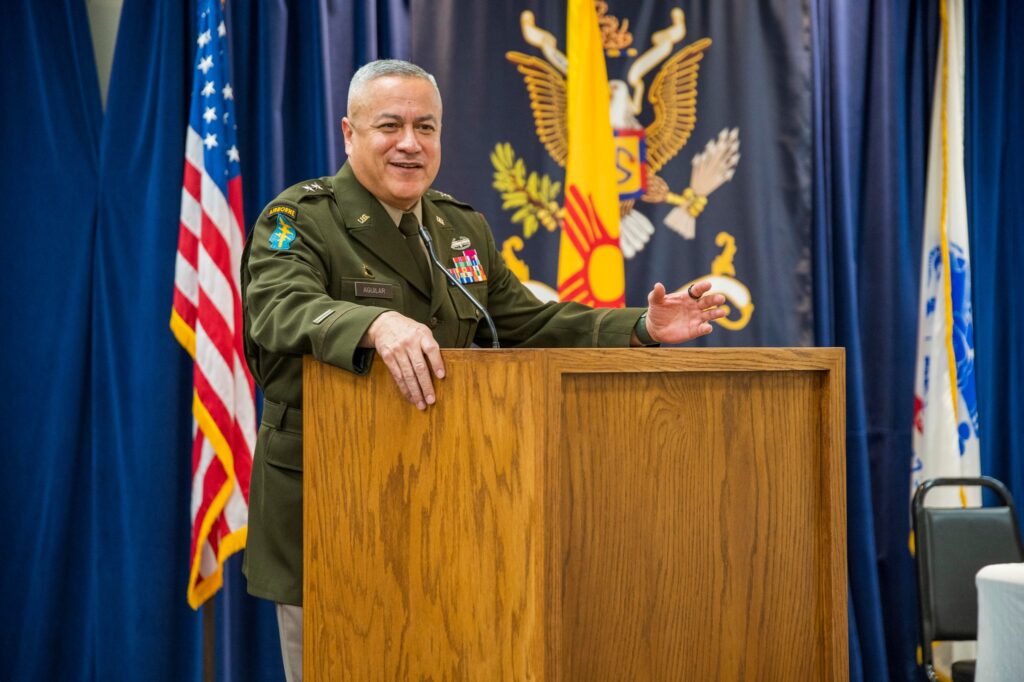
<point>396,213</point>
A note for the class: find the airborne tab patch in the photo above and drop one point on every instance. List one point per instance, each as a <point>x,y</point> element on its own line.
<point>289,211</point>
<point>281,239</point>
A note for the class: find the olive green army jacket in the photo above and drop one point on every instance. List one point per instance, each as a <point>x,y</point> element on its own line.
<point>322,262</point>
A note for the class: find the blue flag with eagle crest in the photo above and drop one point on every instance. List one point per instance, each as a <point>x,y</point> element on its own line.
<point>709,105</point>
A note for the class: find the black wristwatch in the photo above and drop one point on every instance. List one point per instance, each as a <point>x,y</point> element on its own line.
<point>640,328</point>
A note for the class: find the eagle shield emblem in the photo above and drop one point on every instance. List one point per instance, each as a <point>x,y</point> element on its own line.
<point>640,151</point>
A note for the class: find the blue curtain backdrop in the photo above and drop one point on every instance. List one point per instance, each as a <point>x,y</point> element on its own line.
<point>95,428</point>
<point>874,64</point>
<point>995,205</point>
<point>51,158</point>
<point>96,393</point>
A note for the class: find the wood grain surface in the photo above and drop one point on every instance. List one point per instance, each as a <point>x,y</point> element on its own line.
<point>425,524</point>
<point>580,515</point>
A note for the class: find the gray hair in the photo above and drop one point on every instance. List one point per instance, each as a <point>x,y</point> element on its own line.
<point>381,68</point>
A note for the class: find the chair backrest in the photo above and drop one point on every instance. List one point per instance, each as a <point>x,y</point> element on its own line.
<point>952,545</point>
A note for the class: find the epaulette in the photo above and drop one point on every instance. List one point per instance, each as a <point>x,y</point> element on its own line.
<point>306,189</point>
<point>436,195</point>
<point>311,188</point>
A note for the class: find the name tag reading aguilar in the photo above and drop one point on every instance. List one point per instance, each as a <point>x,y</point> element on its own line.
<point>375,290</point>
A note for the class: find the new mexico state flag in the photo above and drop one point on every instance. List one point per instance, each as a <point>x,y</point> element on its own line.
<point>590,265</point>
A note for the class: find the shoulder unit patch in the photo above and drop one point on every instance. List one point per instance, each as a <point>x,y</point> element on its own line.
<point>281,239</point>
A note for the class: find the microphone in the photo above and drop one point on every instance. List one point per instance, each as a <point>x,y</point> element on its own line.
<point>461,287</point>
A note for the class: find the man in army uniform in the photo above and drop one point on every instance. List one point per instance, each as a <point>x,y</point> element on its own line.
<point>335,268</point>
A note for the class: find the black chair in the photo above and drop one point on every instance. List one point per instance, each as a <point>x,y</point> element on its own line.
<point>952,545</point>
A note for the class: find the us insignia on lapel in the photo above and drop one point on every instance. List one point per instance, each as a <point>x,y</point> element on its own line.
<point>281,239</point>
<point>467,267</point>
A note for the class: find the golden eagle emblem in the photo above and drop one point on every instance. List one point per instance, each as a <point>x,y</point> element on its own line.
<point>640,151</point>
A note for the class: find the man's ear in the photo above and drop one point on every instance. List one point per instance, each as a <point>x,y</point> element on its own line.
<point>346,131</point>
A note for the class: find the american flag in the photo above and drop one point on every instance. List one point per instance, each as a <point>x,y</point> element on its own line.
<point>207,314</point>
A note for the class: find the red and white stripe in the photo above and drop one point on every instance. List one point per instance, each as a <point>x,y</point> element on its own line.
<point>207,320</point>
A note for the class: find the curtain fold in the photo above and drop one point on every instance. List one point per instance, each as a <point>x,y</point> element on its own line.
<point>50,138</point>
<point>994,159</point>
<point>139,406</point>
<point>872,61</point>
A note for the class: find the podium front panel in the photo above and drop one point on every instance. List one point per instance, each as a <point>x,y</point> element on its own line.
<point>600,514</point>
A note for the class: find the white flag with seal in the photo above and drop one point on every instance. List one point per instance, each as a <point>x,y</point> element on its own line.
<point>945,430</point>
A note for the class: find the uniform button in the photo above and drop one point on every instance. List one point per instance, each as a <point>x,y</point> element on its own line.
<point>433,323</point>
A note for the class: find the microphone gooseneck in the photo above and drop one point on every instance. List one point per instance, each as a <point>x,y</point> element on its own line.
<point>425,236</point>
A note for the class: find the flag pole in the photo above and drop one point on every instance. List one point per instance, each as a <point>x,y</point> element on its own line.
<point>209,641</point>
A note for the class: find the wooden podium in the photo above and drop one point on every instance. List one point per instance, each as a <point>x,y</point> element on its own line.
<point>626,514</point>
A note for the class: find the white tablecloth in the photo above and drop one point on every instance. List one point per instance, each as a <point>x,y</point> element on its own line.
<point>1000,623</point>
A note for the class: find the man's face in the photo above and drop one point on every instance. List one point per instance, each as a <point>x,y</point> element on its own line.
<point>393,138</point>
